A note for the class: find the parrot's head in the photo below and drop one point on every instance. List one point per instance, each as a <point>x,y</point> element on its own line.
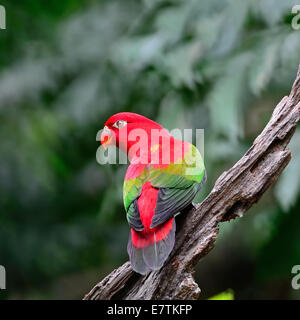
<point>122,128</point>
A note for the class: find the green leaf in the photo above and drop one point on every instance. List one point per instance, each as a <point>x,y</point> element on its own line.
<point>225,100</point>
<point>178,64</point>
<point>171,21</point>
<point>273,11</point>
<point>226,295</point>
<point>231,32</point>
<point>263,66</point>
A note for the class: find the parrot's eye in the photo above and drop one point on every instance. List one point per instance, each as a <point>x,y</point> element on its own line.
<point>120,124</point>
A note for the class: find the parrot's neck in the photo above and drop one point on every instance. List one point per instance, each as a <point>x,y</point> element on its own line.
<point>159,151</point>
<point>147,144</point>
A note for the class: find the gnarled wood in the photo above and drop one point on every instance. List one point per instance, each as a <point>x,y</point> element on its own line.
<point>235,191</point>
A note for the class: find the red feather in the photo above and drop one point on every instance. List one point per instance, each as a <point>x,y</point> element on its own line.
<point>146,205</point>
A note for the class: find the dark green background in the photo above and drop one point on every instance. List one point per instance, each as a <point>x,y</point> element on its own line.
<point>66,66</point>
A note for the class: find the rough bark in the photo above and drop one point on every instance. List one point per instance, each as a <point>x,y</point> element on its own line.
<point>235,191</point>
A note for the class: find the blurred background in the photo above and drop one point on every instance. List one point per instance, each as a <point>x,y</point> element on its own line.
<point>66,66</point>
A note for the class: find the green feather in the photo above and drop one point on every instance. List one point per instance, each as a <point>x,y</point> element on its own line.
<point>180,175</point>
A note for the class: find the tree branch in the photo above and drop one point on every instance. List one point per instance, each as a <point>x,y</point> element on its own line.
<point>235,191</point>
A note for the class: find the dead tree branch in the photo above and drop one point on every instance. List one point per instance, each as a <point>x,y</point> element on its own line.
<point>235,191</point>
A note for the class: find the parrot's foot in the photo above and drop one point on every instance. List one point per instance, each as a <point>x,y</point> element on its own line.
<point>195,205</point>
<point>191,207</point>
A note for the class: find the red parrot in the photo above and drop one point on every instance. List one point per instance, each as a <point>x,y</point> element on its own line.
<point>162,179</point>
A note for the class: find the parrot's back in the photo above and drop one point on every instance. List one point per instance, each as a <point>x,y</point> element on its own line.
<point>153,195</point>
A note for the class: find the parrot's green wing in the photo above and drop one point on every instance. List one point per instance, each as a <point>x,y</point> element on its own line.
<point>133,217</point>
<point>132,188</point>
<point>178,185</point>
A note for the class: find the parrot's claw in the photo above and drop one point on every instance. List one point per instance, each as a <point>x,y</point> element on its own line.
<point>195,205</point>
<point>191,207</point>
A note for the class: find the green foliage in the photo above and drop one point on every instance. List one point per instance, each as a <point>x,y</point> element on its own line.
<point>67,66</point>
<point>226,295</point>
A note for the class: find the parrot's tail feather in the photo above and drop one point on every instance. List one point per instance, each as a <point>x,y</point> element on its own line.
<point>157,253</point>
<point>136,258</point>
<point>153,255</point>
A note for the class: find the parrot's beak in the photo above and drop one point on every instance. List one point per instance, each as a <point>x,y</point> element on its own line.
<point>106,138</point>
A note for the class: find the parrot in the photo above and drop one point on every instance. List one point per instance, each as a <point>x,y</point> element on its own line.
<point>162,180</point>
